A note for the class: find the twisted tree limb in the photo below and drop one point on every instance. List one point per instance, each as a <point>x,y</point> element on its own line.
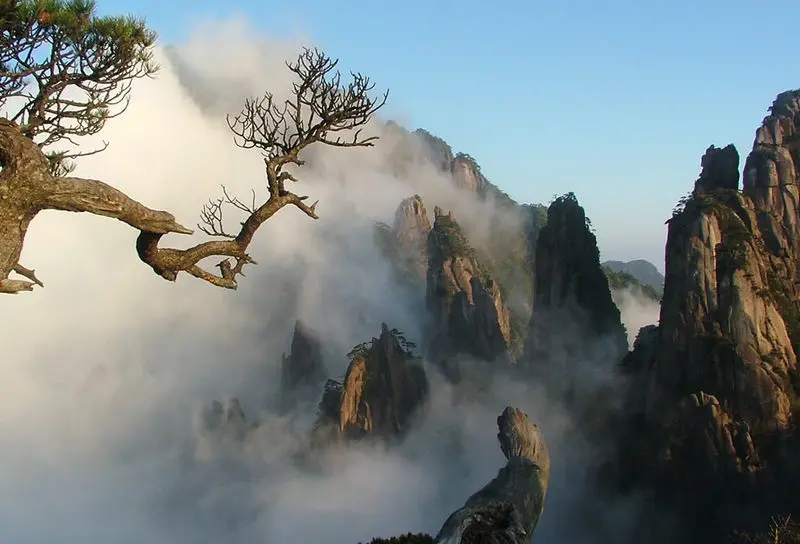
<point>507,509</point>
<point>320,109</point>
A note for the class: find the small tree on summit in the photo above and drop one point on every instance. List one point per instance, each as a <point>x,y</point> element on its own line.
<point>64,71</point>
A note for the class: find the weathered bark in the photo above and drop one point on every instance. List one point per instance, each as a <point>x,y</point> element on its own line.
<point>13,226</point>
<point>320,110</point>
<point>27,187</point>
<point>93,196</point>
<point>507,509</point>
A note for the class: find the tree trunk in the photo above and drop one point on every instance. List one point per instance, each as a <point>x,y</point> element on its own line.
<point>13,226</point>
<point>507,509</point>
<point>27,187</point>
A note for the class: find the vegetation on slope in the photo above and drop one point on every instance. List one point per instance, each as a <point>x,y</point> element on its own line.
<point>504,253</point>
<point>365,349</point>
<point>622,280</point>
<point>567,248</point>
<point>453,242</point>
<point>644,271</point>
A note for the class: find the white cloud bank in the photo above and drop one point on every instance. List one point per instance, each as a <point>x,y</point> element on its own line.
<point>105,369</point>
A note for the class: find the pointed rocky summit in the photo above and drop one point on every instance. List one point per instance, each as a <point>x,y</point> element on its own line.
<point>574,319</point>
<point>384,387</point>
<point>303,368</point>
<point>715,394</point>
<point>467,317</point>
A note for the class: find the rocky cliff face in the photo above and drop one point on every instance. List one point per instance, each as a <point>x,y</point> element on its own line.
<point>438,151</point>
<point>303,369</point>
<point>501,242</point>
<point>535,219</point>
<point>326,430</point>
<point>721,328</point>
<point>504,254</point>
<point>717,411</point>
<point>574,320</point>
<point>467,176</point>
<point>467,317</point>
<point>411,227</point>
<point>405,243</point>
<point>384,387</point>
<point>464,170</point>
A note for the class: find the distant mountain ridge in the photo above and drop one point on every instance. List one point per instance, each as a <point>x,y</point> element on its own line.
<point>644,271</point>
<point>620,281</point>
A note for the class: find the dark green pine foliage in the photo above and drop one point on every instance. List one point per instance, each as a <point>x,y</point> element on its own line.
<point>568,235</point>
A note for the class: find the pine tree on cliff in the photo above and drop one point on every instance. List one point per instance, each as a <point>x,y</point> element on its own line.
<point>64,71</point>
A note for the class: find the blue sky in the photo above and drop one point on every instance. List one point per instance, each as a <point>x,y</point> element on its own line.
<point>614,100</point>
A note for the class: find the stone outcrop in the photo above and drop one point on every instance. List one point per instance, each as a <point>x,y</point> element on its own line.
<point>719,170</point>
<point>464,170</point>
<point>467,175</point>
<point>405,242</point>
<point>501,239</point>
<point>721,327</point>
<point>642,357</point>
<point>501,236</point>
<point>707,428</point>
<point>574,319</point>
<point>507,509</point>
<point>636,366</point>
<point>504,254</point>
<point>467,317</point>
<point>303,368</point>
<point>438,151</point>
<point>730,302</point>
<point>411,227</point>
<point>713,393</point>
<point>384,387</point>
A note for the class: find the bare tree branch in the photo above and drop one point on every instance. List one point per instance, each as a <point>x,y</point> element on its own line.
<point>212,215</point>
<point>320,106</point>
<point>93,196</point>
<point>100,57</point>
<point>27,273</point>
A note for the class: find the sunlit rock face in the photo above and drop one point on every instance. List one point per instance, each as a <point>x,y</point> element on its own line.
<point>714,389</point>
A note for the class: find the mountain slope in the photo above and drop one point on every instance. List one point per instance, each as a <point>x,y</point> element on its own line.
<point>713,398</point>
<point>645,272</point>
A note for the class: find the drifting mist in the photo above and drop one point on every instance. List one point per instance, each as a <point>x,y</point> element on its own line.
<point>108,368</point>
